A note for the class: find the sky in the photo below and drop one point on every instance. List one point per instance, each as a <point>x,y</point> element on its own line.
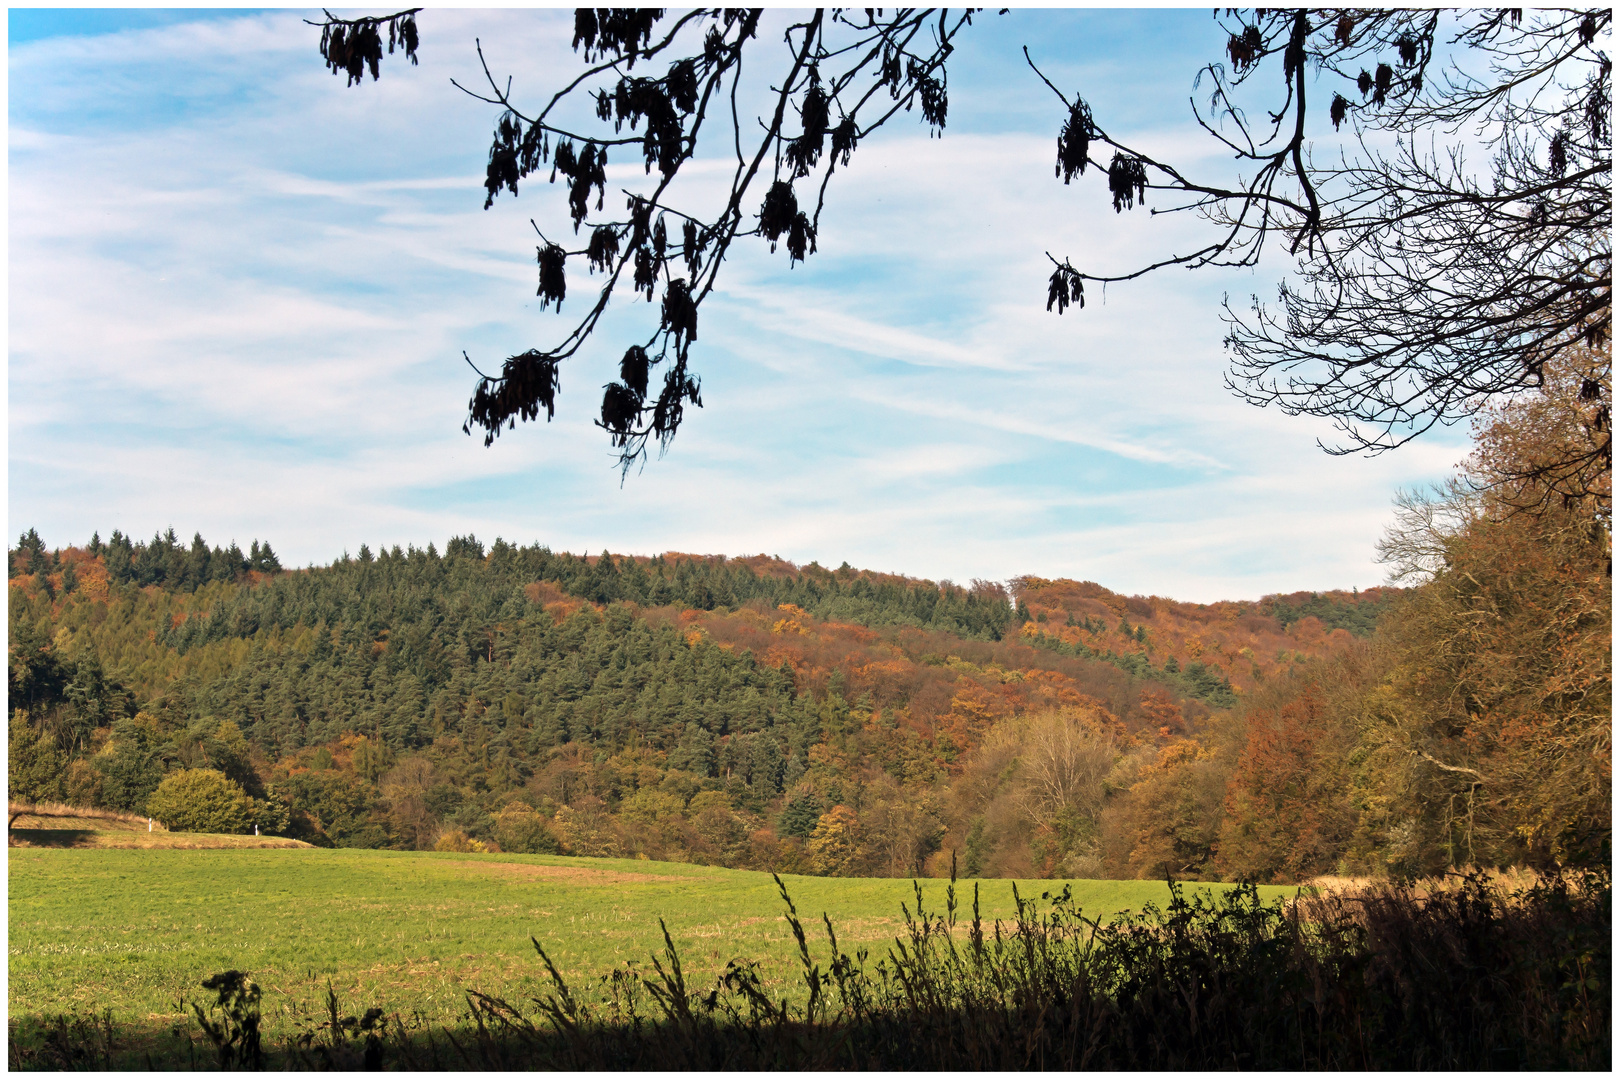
<point>239,293</point>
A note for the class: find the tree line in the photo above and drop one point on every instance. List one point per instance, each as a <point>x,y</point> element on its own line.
<point>522,698</point>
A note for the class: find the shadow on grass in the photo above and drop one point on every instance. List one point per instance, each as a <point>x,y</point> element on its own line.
<point>52,837</point>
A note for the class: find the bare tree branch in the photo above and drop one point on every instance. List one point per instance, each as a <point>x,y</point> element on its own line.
<point>1423,286</point>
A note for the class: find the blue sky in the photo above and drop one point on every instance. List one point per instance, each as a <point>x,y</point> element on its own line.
<point>239,293</point>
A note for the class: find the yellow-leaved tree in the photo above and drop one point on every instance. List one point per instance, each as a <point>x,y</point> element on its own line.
<point>835,842</point>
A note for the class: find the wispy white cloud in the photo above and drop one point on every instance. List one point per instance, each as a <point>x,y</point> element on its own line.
<point>240,293</point>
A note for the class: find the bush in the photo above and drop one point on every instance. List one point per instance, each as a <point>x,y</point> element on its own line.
<point>454,839</point>
<point>201,800</point>
<point>519,829</point>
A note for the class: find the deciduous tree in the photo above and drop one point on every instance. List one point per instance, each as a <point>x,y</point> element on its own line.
<point>1170,817</point>
<point>835,842</point>
<point>1287,814</point>
<point>1491,739</point>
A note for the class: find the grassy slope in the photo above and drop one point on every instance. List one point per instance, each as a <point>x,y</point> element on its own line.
<point>58,835</point>
<point>63,816</point>
<point>59,826</point>
<point>136,930</point>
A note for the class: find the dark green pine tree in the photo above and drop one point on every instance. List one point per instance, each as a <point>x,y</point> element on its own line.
<point>799,816</point>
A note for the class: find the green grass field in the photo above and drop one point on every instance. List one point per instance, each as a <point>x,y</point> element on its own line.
<point>136,930</point>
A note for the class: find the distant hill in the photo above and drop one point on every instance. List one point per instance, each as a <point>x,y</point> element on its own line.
<point>710,708</point>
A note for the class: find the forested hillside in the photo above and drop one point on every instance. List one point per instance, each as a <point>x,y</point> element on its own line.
<point>744,711</point>
<point>753,713</point>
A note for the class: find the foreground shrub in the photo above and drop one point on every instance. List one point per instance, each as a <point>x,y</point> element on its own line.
<point>1466,977</point>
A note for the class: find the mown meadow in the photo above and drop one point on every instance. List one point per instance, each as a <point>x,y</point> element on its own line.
<point>136,931</point>
<point>216,959</point>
